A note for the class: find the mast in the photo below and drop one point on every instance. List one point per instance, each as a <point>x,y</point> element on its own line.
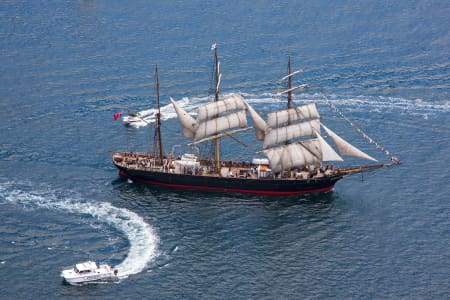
<point>289,87</point>
<point>289,93</point>
<point>216,98</point>
<point>158,119</point>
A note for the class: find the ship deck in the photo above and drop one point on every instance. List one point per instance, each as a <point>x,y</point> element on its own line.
<point>229,169</point>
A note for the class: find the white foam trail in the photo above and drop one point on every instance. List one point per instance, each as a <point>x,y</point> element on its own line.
<point>355,103</point>
<point>141,236</point>
<point>167,112</point>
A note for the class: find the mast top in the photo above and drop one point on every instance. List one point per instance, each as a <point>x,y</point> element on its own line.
<point>217,74</point>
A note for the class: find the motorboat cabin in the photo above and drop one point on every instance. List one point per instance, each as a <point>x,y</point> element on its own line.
<point>89,271</point>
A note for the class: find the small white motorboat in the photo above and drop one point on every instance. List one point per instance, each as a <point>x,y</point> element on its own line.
<point>138,117</point>
<point>89,271</point>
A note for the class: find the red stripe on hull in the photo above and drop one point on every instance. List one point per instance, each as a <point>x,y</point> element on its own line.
<point>207,188</point>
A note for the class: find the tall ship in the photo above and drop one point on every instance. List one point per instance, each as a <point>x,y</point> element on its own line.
<point>296,155</point>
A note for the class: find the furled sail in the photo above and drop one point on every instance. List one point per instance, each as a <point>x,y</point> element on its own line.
<point>260,125</point>
<point>282,134</point>
<point>279,118</point>
<point>216,125</point>
<point>188,123</point>
<point>290,156</point>
<point>213,109</point>
<point>345,148</point>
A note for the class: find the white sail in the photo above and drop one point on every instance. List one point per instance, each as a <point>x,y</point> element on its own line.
<point>328,153</point>
<point>223,134</point>
<point>345,148</point>
<point>260,125</point>
<point>312,146</point>
<point>282,134</point>
<point>213,109</point>
<point>290,156</point>
<point>321,149</point>
<point>188,123</point>
<point>279,118</point>
<point>216,125</point>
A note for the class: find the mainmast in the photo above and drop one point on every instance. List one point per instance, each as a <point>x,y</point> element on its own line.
<point>158,120</point>
<point>216,98</point>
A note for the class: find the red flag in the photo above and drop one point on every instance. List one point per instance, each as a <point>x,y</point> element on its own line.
<point>117,116</point>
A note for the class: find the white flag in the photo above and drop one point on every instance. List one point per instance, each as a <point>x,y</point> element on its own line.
<point>213,46</point>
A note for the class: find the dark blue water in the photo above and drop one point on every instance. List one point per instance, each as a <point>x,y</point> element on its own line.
<point>65,69</point>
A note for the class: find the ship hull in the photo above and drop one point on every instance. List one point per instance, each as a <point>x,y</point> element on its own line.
<point>234,185</point>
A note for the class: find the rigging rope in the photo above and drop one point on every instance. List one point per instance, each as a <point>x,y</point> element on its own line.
<point>394,159</point>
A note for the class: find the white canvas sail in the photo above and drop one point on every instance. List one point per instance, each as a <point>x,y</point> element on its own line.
<point>216,125</point>
<point>320,149</point>
<point>345,148</point>
<point>279,118</point>
<point>282,134</point>
<point>312,146</point>
<point>213,109</point>
<point>188,123</point>
<point>260,125</point>
<point>328,153</point>
<point>290,156</point>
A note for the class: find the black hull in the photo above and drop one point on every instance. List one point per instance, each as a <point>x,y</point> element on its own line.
<point>236,185</point>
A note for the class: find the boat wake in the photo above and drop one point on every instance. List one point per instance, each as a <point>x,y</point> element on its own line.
<point>147,117</point>
<point>272,101</point>
<point>358,103</point>
<point>141,236</point>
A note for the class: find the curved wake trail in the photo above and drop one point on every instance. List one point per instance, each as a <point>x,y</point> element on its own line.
<point>141,236</point>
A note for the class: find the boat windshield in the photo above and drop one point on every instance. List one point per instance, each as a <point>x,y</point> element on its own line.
<point>85,267</point>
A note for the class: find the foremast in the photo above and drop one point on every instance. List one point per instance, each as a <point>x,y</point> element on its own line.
<point>289,87</point>
<point>158,145</point>
<point>292,137</point>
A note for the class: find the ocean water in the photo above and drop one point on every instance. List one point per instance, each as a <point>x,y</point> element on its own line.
<point>66,67</point>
